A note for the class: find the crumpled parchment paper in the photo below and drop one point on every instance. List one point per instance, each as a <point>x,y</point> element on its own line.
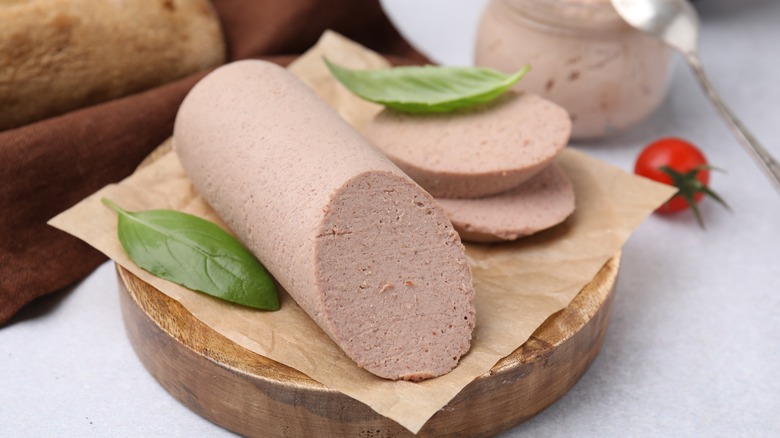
<point>518,285</point>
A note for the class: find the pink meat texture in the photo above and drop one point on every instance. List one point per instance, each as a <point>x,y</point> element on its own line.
<point>544,201</point>
<point>474,152</point>
<point>366,252</point>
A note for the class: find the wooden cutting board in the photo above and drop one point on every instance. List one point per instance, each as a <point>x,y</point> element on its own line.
<point>252,395</point>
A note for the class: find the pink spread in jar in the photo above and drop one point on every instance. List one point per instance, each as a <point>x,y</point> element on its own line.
<point>607,75</point>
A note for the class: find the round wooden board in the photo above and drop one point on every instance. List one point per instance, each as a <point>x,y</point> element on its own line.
<point>255,396</point>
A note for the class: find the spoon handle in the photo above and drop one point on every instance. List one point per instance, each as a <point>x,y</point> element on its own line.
<point>767,163</point>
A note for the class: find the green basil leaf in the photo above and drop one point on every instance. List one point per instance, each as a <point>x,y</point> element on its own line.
<point>426,89</point>
<point>197,254</point>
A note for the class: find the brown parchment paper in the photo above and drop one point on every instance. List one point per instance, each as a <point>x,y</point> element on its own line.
<point>518,285</point>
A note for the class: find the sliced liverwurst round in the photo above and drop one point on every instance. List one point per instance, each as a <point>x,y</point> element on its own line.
<point>365,251</point>
<point>540,203</point>
<point>474,152</point>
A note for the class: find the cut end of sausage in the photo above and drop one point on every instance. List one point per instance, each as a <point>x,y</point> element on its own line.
<point>393,307</point>
<point>474,152</point>
<point>541,203</point>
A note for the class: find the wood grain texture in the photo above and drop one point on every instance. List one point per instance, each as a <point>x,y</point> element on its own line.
<point>255,396</point>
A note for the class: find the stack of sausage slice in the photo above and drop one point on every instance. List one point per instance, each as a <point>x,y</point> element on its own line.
<point>491,167</point>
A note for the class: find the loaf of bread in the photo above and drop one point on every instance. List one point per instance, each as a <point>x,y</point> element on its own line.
<point>60,55</point>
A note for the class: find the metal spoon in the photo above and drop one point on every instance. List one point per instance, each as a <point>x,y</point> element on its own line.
<point>676,23</point>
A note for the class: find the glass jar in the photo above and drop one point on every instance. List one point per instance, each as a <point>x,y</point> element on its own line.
<point>583,56</point>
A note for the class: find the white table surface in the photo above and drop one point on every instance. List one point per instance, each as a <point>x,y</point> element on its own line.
<point>693,345</point>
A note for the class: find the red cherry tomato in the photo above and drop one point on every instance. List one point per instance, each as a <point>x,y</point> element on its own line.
<point>677,155</point>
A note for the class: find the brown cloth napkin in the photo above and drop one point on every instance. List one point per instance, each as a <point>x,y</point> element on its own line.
<point>48,166</point>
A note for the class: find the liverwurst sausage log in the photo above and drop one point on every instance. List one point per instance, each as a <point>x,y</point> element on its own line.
<point>367,253</point>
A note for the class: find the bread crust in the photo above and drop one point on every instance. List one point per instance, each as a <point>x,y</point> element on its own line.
<point>60,55</point>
